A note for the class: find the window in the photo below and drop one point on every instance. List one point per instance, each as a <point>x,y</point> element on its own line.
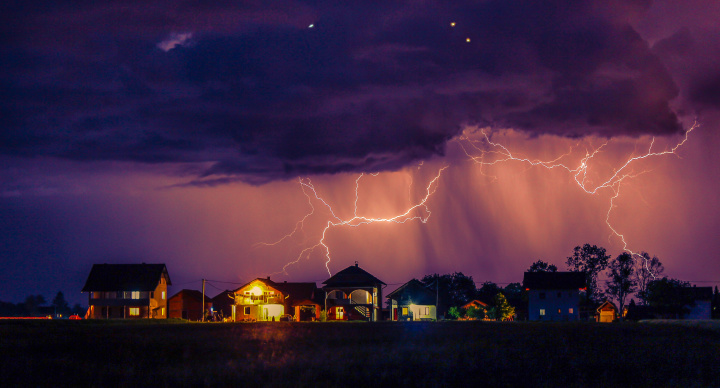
<point>427,311</point>
<point>559,311</point>
<point>340,313</point>
<point>136,295</point>
<point>163,295</point>
<point>570,310</point>
<point>246,310</point>
<point>542,295</point>
<point>542,312</point>
<point>404,311</point>
<point>134,311</point>
<point>162,311</point>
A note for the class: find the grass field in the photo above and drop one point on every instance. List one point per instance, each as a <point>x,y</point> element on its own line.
<point>114,353</point>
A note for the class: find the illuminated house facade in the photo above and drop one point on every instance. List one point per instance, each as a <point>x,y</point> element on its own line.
<point>607,312</point>
<point>187,304</point>
<point>353,294</point>
<point>265,300</point>
<point>413,302</point>
<point>127,291</point>
<point>554,296</point>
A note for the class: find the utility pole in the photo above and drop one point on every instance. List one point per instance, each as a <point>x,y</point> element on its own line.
<point>202,303</point>
<point>437,295</point>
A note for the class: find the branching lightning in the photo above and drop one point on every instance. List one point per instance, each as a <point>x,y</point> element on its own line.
<point>419,211</point>
<point>481,150</point>
<point>477,150</point>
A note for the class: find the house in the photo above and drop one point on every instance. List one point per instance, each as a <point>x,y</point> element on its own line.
<point>702,308</point>
<point>413,302</point>
<point>353,294</point>
<point>266,300</point>
<point>224,304</point>
<point>554,296</point>
<point>186,304</point>
<point>128,291</point>
<point>682,303</point>
<point>475,304</point>
<point>607,312</point>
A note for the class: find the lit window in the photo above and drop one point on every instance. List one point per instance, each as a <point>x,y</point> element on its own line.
<point>542,312</point>
<point>162,311</point>
<point>404,311</point>
<point>570,311</point>
<point>163,295</point>
<point>246,310</point>
<point>542,295</point>
<point>134,311</point>
<point>136,295</point>
<point>559,311</point>
<point>340,312</point>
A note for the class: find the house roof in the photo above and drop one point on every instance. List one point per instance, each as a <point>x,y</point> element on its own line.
<point>475,303</point>
<point>294,292</point>
<point>195,294</point>
<point>227,294</point>
<point>125,277</point>
<point>554,280</point>
<point>607,303</point>
<point>352,276</point>
<point>413,291</point>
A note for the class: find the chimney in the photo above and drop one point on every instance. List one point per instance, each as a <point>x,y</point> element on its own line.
<point>356,263</point>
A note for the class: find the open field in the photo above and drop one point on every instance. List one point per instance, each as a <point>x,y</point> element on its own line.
<point>102,353</point>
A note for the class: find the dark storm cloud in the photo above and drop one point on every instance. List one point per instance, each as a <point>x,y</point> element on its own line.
<point>371,86</point>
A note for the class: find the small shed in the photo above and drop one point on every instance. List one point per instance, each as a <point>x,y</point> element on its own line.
<point>607,312</point>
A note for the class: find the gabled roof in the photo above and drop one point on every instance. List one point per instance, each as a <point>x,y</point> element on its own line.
<point>554,280</point>
<point>227,294</point>
<point>195,294</point>
<point>413,291</point>
<point>475,303</point>
<point>294,292</point>
<point>125,277</point>
<point>607,303</point>
<point>352,276</point>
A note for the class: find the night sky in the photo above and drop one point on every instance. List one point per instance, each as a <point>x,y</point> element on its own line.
<point>190,133</point>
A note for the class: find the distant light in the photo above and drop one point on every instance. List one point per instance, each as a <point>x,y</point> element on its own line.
<point>311,25</point>
<point>467,40</point>
<point>452,24</point>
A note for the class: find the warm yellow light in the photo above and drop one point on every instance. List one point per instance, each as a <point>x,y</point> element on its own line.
<point>467,40</point>
<point>257,291</point>
<point>452,24</point>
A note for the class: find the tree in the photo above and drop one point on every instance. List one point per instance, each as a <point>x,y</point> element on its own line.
<point>61,305</point>
<point>501,309</point>
<point>487,292</point>
<point>621,283</point>
<point>454,289</point>
<point>646,269</point>
<point>32,305</point>
<point>669,296</point>
<point>541,266</point>
<point>475,312</point>
<point>456,312</point>
<point>590,260</point>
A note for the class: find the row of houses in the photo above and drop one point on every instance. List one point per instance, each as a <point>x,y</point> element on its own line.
<point>140,291</point>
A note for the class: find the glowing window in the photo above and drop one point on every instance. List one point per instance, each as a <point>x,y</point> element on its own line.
<point>134,311</point>
<point>340,313</point>
<point>570,310</point>
<point>404,311</point>
<point>163,295</point>
<point>162,311</point>
<point>136,295</point>
<point>542,312</point>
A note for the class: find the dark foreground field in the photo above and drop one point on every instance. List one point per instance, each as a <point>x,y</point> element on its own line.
<point>64,353</point>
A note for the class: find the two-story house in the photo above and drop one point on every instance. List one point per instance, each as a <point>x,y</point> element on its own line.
<point>127,291</point>
<point>353,294</point>
<point>554,296</point>
<point>266,300</point>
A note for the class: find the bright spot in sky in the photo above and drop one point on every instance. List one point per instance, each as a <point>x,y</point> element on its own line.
<point>174,40</point>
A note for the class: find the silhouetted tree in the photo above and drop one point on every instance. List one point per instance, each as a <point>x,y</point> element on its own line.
<point>61,305</point>
<point>454,289</point>
<point>32,305</point>
<point>646,269</point>
<point>541,266</point>
<point>487,292</point>
<point>621,282</point>
<point>669,296</point>
<point>590,260</point>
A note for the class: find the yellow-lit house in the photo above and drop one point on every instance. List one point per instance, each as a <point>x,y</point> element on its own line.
<point>265,300</point>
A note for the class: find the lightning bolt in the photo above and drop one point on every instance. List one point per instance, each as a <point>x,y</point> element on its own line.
<point>477,151</point>
<point>418,211</point>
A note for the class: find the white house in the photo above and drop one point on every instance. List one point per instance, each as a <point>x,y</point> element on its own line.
<point>413,302</point>
<point>554,296</point>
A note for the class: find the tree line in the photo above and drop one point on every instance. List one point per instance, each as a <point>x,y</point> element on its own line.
<point>642,275</point>
<point>37,306</point>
